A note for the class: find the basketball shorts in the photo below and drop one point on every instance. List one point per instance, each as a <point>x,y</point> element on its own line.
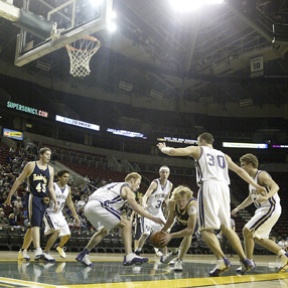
<point>263,221</point>
<point>100,217</point>
<point>213,205</point>
<point>56,221</point>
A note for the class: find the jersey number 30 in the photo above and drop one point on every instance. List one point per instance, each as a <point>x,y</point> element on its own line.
<point>219,159</point>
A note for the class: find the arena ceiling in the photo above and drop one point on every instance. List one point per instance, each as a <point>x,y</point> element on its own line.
<point>201,57</point>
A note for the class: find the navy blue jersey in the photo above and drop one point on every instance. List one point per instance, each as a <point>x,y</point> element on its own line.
<point>182,215</point>
<point>180,224</point>
<point>38,181</point>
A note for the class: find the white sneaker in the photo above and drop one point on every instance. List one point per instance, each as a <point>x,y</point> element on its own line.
<point>61,252</point>
<point>283,262</point>
<point>38,253</point>
<point>178,266</point>
<point>168,258</point>
<point>87,261</point>
<point>47,257</point>
<point>159,253</point>
<point>221,266</point>
<point>243,269</point>
<point>132,259</point>
<point>23,255</point>
<point>83,258</point>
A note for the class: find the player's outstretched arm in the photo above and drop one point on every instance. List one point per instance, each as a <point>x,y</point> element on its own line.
<point>193,151</point>
<point>247,202</point>
<point>244,175</point>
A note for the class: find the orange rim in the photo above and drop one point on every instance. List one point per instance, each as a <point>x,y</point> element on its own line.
<point>87,37</point>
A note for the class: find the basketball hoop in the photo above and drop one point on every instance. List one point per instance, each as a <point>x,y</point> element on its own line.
<point>80,52</point>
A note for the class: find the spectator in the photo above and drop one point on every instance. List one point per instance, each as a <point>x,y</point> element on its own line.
<point>3,220</point>
<point>18,203</point>
<point>12,219</point>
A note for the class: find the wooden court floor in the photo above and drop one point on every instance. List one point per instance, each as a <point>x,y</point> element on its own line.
<point>108,271</point>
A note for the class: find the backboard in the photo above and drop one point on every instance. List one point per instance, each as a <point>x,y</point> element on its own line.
<point>48,25</point>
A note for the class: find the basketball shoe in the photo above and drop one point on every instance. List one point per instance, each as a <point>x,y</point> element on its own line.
<point>61,252</point>
<point>47,258</point>
<point>178,265</point>
<point>221,266</point>
<point>244,267</point>
<point>132,259</point>
<point>168,258</point>
<point>83,257</point>
<point>283,262</point>
<point>38,253</point>
<point>23,255</point>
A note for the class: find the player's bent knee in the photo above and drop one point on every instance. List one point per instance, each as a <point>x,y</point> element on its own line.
<point>125,223</point>
<point>146,234</point>
<point>104,232</point>
<point>246,232</point>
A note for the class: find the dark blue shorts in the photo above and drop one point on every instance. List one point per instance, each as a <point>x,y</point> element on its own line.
<point>36,209</point>
<point>175,242</point>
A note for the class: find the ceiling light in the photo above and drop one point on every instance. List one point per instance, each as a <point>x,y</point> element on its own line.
<point>192,5</point>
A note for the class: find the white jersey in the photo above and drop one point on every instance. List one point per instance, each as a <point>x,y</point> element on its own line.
<point>155,200</point>
<point>61,196</point>
<point>212,165</point>
<point>271,202</point>
<point>110,195</point>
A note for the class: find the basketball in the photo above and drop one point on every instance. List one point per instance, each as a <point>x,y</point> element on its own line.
<point>156,238</point>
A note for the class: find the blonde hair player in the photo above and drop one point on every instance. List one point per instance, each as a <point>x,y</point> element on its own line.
<point>182,216</point>
<point>103,211</point>
<point>268,211</point>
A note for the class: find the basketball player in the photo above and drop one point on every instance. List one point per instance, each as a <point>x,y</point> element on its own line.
<point>268,211</point>
<point>182,216</point>
<point>157,193</point>
<point>103,211</point>
<point>214,197</point>
<point>55,222</point>
<point>40,177</point>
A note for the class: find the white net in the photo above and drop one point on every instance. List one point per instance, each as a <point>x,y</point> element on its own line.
<point>80,53</point>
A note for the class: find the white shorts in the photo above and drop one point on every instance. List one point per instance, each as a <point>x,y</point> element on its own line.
<point>213,205</point>
<point>55,222</point>
<point>100,217</point>
<point>263,221</point>
<point>147,225</point>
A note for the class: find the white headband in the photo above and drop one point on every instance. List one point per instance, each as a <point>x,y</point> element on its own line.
<point>164,168</point>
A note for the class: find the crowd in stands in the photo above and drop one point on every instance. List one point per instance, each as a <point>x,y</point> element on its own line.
<point>16,213</point>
